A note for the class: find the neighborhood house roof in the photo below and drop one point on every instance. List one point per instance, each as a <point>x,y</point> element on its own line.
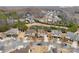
<point>12,31</point>
<point>30,32</point>
<point>11,44</point>
<point>56,33</point>
<point>72,36</point>
<point>77,37</point>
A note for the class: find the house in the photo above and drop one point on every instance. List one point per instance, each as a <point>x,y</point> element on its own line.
<point>52,17</point>
<point>10,45</point>
<point>41,33</point>
<point>30,32</point>
<point>29,17</point>
<point>11,20</point>
<point>5,44</point>
<point>70,35</point>
<point>39,47</point>
<point>29,20</point>
<point>74,44</point>
<point>51,47</point>
<point>56,33</point>
<point>21,50</point>
<point>12,32</point>
<point>74,37</point>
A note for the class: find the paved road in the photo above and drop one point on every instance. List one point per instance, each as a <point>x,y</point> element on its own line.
<point>46,25</point>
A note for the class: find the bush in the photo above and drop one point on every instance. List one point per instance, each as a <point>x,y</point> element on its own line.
<point>21,26</point>
<point>4,28</point>
<point>73,27</point>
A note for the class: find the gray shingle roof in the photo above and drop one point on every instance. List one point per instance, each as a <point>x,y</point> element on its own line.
<point>56,33</point>
<point>11,44</point>
<point>72,36</point>
<point>30,32</point>
<point>12,31</point>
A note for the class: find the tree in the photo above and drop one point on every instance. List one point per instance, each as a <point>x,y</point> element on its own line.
<point>73,27</point>
<point>21,26</point>
<point>13,15</point>
<point>4,28</point>
<point>3,17</point>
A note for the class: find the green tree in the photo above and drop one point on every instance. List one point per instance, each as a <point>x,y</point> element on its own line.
<point>21,26</point>
<point>4,28</point>
<point>73,27</point>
